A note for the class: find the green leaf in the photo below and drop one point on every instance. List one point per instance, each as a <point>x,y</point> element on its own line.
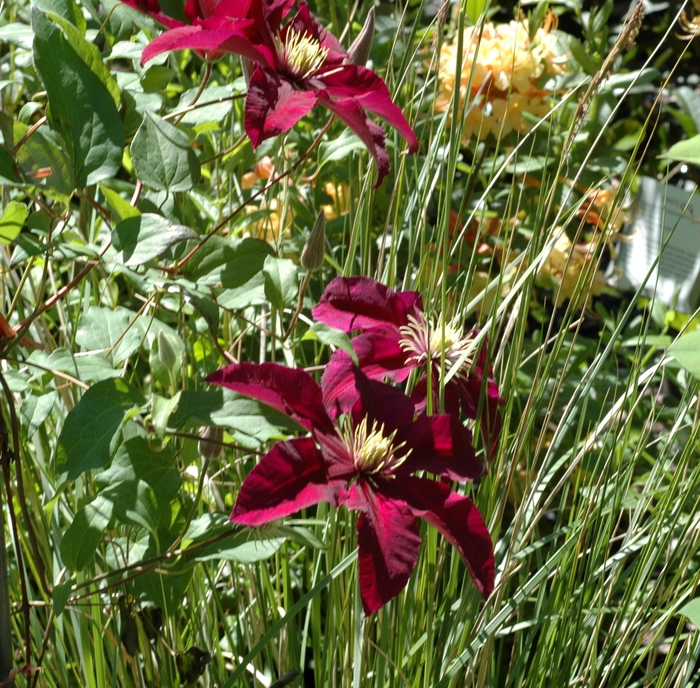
<point>67,10</point>
<point>582,57</point>
<point>340,147</point>
<point>136,460</point>
<point>331,337</point>
<point>8,170</point>
<point>162,156</point>
<point>686,350</point>
<point>147,236</point>
<point>120,207</point>
<point>61,593</point>
<point>12,220</point>
<point>224,408</point>
<point>685,151</point>
<point>19,35</point>
<point>162,410</point>
<point>89,53</point>
<point>81,108</point>
<point>89,433</point>
<point>692,611</point>
<point>227,262</point>
<point>84,534</point>
<point>41,157</point>
<point>281,283</point>
<point>134,504</point>
<point>242,547</point>
<point>475,8</point>
<point>103,329</point>
<point>35,410</point>
<point>221,105</point>
<point>85,368</point>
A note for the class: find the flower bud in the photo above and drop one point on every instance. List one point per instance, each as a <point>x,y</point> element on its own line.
<point>166,353</point>
<point>315,248</point>
<point>358,53</point>
<point>209,445</point>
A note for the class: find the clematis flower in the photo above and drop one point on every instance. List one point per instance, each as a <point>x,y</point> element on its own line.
<point>211,27</point>
<point>290,69</point>
<point>305,65</point>
<point>365,460</point>
<point>396,337</point>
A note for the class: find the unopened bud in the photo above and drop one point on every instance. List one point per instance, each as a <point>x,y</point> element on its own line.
<point>358,53</point>
<point>209,445</point>
<point>166,353</point>
<point>315,248</point>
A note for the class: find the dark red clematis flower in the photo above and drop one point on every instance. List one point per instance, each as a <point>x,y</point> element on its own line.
<point>395,338</point>
<point>211,27</point>
<point>306,65</point>
<point>294,68</point>
<point>365,460</point>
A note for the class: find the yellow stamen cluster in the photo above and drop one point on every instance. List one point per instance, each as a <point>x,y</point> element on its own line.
<point>301,55</point>
<point>373,451</point>
<point>424,341</point>
<point>503,65</point>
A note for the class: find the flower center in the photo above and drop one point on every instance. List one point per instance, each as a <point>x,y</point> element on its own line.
<point>424,341</point>
<point>373,451</point>
<point>300,54</point>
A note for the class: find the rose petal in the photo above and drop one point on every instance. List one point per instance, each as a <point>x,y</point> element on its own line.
<point>290,477</point>
<point>291,391</point>
<point>362,303</point>
<point>273,106</point>
<point>456,517</point>
<point>388,543</point>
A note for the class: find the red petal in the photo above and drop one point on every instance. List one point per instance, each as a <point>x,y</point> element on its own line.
<point>208,36</point>
<point>379,355</point>
<point>370,92</point>
<point>291,476</point>
<point>388,543</point>
<point>272,106</point>
<point>378,401</point>
<point>456,517</point>
<point>440,445</point>
<point>372,135</point>
<point>362,303</point>
<point>291,391</point>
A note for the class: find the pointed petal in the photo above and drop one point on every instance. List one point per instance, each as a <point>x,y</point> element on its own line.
<point>291,476</point>
<point>378,401</point>
<point>273,106</point>
<point>379,355</point>
<point>370,92</point>
<point>440,445</point>
<point>361,303</point>
<point>209,36</point>
<point>291,391</point>
<point>388,543</point>
<point>347,110</point>
<point>456,517</point>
